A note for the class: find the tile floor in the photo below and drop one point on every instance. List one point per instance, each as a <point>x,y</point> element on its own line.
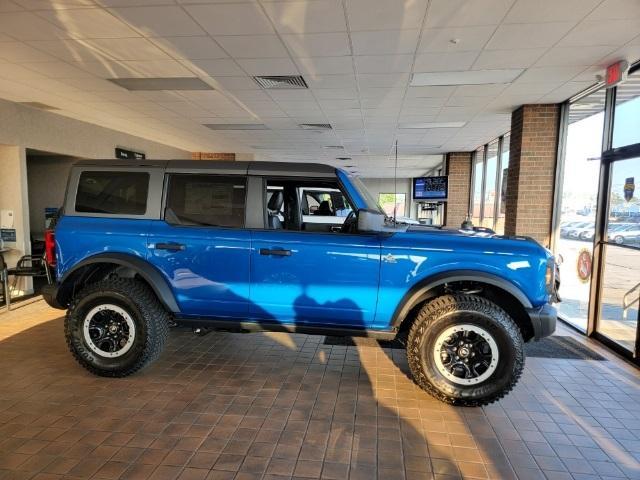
<point>280,406</point>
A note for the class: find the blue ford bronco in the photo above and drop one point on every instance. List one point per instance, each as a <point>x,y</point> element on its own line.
<point>288,247</point>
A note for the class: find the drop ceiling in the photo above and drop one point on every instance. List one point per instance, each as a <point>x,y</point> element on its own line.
<point>357,57</point>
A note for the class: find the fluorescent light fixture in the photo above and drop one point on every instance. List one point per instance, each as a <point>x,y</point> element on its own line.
<point>467,77</point>
<point>425,125</point>
<point>236,126</point>
<point>334,147</point>
<point>154,84</point>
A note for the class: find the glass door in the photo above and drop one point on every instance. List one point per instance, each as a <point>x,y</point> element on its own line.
<point>620,272</point>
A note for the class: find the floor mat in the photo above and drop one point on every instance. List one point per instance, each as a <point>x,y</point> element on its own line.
<point>556,346</point>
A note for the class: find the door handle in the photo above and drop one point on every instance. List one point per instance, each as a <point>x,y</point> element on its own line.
<point>280,252</point>
<point>173,247</point>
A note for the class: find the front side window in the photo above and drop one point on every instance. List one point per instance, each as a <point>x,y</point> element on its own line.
<point>306,205</point>
<point>206,200</point>
<point>112,193</point>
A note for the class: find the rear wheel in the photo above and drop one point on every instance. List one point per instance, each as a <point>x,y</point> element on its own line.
<point>465,350</point>
<point>115,327</point>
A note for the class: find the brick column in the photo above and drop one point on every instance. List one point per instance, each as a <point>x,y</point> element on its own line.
<point>459,172</point>
<point>532,164</point>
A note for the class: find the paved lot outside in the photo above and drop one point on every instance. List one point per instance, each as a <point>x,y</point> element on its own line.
<point>280,406</point>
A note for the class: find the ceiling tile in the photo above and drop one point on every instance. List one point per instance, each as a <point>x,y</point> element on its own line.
<point>444,62</point>
<point>325,65</point>
<point>368,80</point>
<point>231,19</point>
<point>27,26</point>
<point>544,74</point>
<point>158,68</point>
<point>202,47</point>
<point>317,16</point>
<point>559,56</point>
<point>531,35</point>
<point>612,32</point>
<point>526,11</point>
<point>18,52</point>
<point>460,13</point>
<point>517,58</point>
<point>455,39</point>
<point>616,9</point>
<point>57,70</point>
<point>430,91</point>
<point>383,63</point>
<point>318,44</point>
<point>218,67</point>
<point>384,42</point>
<point>385,14</point>
<point>88,23</point>
<point>253,46</point>
<point>128,49</point>
<point>478,90</point>
<point>159,21</point>
<point>268,66</point>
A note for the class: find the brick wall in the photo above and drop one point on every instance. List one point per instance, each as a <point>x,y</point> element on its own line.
<point>459,172</point>
<point>532,162</point>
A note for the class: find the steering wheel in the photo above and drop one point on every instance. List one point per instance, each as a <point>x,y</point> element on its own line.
<point>350,223</point>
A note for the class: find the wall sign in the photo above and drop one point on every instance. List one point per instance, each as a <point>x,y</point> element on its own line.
<point>629,188</point>
<point>129,154</point>
<point>8,234</point>
<point>584,265</point>
<point>431,188</point>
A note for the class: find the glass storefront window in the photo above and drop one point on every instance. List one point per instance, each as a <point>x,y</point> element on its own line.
<point>478,177</point>
<point>578,204</point>
<point>626,127</point>
<point>491,170</point>
<point>502,183</point>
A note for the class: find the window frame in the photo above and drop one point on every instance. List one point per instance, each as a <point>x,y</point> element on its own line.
<point>154,191</point>
<point>165,198</point>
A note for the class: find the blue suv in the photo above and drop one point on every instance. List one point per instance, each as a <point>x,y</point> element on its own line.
<point>294,248</point>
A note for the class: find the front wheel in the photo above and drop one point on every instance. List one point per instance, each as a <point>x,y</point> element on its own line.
<point>465,350</point>
<point>115,327</point>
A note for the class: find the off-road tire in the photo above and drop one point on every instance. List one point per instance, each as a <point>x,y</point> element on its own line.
<point>449,310</point>
<point>149,316</point>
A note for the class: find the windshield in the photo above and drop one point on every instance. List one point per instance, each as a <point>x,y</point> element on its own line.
<point>366,194</point>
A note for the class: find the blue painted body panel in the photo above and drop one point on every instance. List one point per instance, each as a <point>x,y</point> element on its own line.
<point>329,279</point>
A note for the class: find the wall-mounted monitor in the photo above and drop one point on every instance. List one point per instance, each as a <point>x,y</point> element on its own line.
<point>431,188</point>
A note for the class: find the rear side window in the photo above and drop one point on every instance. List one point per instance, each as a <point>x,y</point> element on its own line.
<point>113,193</point>
<point>206,200</point>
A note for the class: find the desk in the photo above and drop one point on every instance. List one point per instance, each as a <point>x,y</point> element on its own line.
<point>4,279</point>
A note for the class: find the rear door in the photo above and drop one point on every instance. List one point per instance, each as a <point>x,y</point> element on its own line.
<point>305,276</point>
<point>201,245</point>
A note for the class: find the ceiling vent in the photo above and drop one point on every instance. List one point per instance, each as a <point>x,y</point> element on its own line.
<point>41,106</point>
<point>315,126</point>
<point>280,82</point>
<point>155,84</point>
<point>236,126</point>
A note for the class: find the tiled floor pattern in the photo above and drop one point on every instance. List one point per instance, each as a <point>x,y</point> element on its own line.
<point>279,406</point>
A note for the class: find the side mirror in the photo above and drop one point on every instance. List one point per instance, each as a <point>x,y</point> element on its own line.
<point>370,221</point>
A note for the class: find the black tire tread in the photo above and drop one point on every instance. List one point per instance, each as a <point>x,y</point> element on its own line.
<point>447,304</point>
<point>155,315</point>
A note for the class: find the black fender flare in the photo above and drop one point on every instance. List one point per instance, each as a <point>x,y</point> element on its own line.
<point>420,291</point>
<point>143,268</point>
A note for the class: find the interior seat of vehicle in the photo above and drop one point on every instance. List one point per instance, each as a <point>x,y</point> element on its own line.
<point>273,209</point>
<point>324,209</point>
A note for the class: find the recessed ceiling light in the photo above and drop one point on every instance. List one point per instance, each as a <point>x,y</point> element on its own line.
<point>236,126</point>
<point>153,84</point>
<point>280,82</point>
<point>41,106</point>
<point>315,126</point>
<point>432,125</point>
<point>468,77</point>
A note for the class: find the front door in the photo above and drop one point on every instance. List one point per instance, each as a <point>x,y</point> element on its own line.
<point>201,246</point>
<point>307,273</point>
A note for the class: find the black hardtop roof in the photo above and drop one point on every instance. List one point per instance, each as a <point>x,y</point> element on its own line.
<point>230,167</point>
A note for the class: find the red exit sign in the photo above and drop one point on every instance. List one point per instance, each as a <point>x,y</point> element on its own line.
<point>616,73</point>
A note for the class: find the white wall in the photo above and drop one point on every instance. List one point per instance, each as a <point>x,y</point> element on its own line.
<point>386,185</point>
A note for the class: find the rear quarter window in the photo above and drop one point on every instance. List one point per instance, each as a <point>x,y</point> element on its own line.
<point>112,193</point>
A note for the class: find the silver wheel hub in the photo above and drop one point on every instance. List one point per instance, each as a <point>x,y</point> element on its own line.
<point>109,330</point>
<point>466,354</point>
